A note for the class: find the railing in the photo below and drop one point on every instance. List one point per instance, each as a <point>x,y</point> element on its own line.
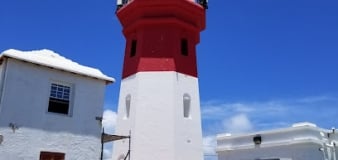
<point>121,3</point>
<point>204,3</point>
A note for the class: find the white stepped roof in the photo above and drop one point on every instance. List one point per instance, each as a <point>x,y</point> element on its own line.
<point>51,59</point>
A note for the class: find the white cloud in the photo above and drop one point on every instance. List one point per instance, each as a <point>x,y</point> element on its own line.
<point>238,124</point>
<point>316,99</point>
<point>109,120</point>
<point>107,154</point>
<point>214,110</point>
<point>209,144</point>
<point>239,117</point>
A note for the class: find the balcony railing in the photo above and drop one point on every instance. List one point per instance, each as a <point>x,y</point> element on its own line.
<point>121,3</point>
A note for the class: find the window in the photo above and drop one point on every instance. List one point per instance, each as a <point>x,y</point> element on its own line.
<point>133,48</point>
<point>59,99</point>
<point>128,99</point>
<point>51,156</point>
<point>186,106</point>
<point>184,47</point>
<point>257,139</point>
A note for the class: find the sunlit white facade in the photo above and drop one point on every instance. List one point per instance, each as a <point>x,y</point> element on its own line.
<point>159,103</point>
<point>302,141</point>
<point>48,107</point>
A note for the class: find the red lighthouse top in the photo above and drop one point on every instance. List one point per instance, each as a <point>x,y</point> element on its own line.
<point>161,35</point>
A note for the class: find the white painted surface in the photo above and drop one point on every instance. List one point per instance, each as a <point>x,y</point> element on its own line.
<point>159,130</point>
<point>49,58</point>
<point>27,143</point>
<point>24,102</point>
<point>302,141</point>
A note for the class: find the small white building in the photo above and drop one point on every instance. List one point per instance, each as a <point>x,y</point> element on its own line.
<point>48,107</point>
<point>302,141</point>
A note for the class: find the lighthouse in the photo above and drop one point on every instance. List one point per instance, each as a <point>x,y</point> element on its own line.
<point>159,105</point>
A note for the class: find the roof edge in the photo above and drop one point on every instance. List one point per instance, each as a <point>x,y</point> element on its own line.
<point>103,77</point>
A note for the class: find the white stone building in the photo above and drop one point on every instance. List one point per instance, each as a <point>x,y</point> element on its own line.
<point>48,107</point>
<point>302,141</point>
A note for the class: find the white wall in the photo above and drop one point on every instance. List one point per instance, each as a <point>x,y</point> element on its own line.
<point>306,151</point>
<point>25,103</point>
<point>159,130</point>
<point>300,142</point>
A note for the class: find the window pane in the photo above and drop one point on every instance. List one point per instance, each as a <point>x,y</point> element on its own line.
<point>58,106</point>
<point>59,95</point>
<point>67,90</point>
<point>53,95</point>
<point>59,99</point>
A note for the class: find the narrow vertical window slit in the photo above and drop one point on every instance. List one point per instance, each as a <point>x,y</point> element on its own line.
<point>133,48</point>
<point>184,47</point>
<point>128,101</point>
<point>186,106</point>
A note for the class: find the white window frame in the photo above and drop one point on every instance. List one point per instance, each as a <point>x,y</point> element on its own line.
<point>61,95</point>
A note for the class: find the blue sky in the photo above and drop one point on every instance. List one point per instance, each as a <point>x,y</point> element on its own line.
<point>262,64</point>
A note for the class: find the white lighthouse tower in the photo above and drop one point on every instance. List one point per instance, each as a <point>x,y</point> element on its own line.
<point>159,102</point>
